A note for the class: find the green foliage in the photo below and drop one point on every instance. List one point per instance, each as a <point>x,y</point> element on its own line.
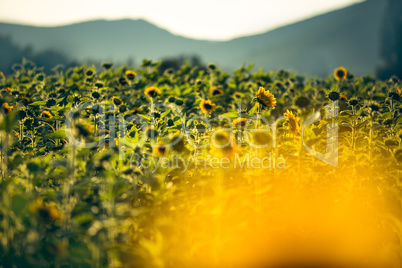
<point>109,205</point>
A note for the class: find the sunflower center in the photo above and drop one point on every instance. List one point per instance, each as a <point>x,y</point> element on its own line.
<point>216,92</point>
<point>207,106</point>
<point>340,73</point>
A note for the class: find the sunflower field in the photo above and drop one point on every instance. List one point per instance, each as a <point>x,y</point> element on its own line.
<point>197,167</point>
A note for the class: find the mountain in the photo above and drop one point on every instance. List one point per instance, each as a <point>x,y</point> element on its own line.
<point>348,37</point>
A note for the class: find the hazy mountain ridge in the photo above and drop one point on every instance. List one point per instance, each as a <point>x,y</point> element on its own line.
<point>349,37</point>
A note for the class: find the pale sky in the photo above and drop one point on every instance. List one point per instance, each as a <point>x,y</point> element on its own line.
<point>207,19</point>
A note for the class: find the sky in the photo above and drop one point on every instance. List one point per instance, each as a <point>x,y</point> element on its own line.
<point>206,19</point>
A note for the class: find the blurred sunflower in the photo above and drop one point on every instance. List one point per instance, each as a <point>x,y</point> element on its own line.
<point>293,126</point>
<point>261,137</point>
<point>25,101</point>
<point>237,95</point>
<point>46,212</point>
<point>266,98</point>
<point>340,74</point>
<point>398,155</point>
<point>89,72</point>
<point>107,65</point>
<point>343,97</point>
<point>152,92</point>
<point>47,114</point>
<point>130,74</point>
<point>223,145</point>
<point>177,142</point>
<point>353,101</point>
<point>240,122</point>
<point>117,100</point>
<point>207,106</point>
<point>215,91</point>
<point>135,110</point>
<point>7,108</point>
<point>374,106</point>
<point>2,77</point>
<point>302,102</point>
<point>160,149</point>
<point>334,96</point>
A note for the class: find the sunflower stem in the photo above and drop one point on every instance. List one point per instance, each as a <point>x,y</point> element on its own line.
<point>258,116</point>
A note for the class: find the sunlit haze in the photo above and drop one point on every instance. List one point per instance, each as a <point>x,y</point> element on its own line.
<point>208,19</point>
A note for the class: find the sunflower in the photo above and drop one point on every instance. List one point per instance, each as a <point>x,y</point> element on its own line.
<point>398,155</point>
<point>8,89</point>
<point>7,108</point>
<point>160,149</point>
<point>240,122</point>
<point>261,137</point>
<point>177,142</point>
<point>373,106</point>
<point>152,133</point>
<point>292,120</point>
<point>224,145</point>
<point>237,95</point>
<point>207,106</point>
<point>343,97</point>
<point>340,74</point>
<point>302,102</point>
<point>117,100</point>
<point>152,92</point>
<point>334,96</point>
<point>399,90</point>
<point>85,129</point>
<point>266,98</point>
<point>26,100</point>
<point>2,77</point>
<point>89,72</point>
<point>353,101</point>
<point>215,91</point>
<point>107,65</point>
<point>46,212</point>
<point>47,114</point>
<point>135,110</point>
<point>130,74</point>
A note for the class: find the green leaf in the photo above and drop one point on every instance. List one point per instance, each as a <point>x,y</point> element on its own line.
<point>9,122</point>
<point>147,118</point>
<point>18,204</point>
<point>399,120</point>
<point>165,113</point>
<point>253,110</point>
<point>38,103</point>
<point>58,134</point>
<point>231,115</point>
<point>386,115</point>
